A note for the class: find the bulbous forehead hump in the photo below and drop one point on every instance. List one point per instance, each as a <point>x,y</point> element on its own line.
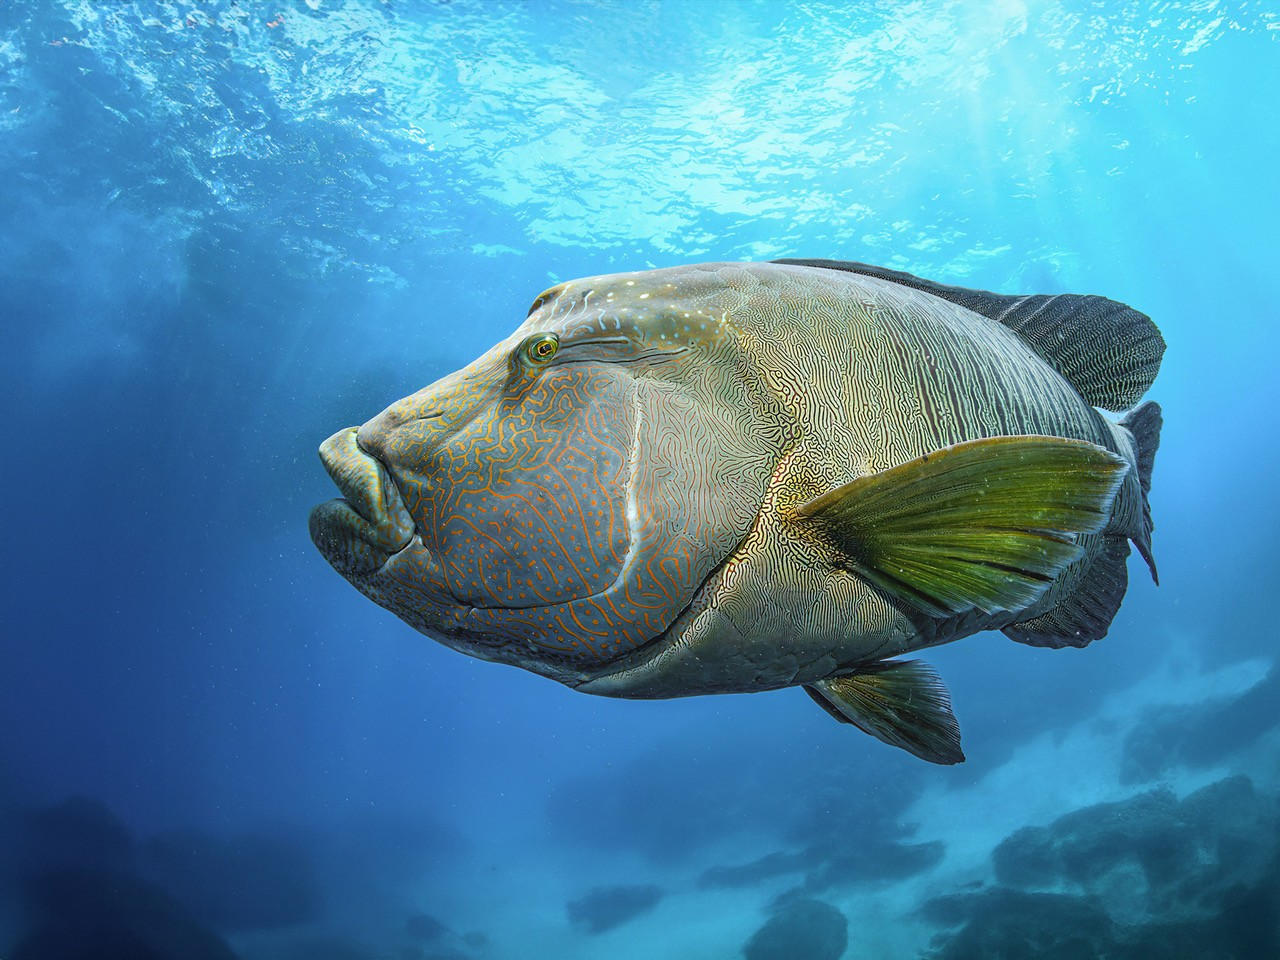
<point>679,303</point>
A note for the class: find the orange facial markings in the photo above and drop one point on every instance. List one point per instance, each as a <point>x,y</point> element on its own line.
<point>512,503</point>
<point>555,538</point>
<point>569,506</point>
<point>577,504</point>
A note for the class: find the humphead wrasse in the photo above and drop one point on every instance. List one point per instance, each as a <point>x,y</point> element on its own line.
<point>734,477</point>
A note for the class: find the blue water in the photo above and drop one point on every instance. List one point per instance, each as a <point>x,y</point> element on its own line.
<point>229,229</point>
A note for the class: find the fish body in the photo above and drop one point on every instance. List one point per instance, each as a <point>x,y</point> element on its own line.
<point>734,477</point>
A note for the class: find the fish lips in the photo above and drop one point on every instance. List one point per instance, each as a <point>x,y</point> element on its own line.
<point>359,533</point>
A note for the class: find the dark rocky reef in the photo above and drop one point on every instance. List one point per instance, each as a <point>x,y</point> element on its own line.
<point>604,908</point>
<point>1151,876</point>
<point>800,928</point>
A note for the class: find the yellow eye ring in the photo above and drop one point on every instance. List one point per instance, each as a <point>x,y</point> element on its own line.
<point>538,351</point>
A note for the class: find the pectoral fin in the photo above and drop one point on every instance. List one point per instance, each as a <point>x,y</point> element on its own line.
<point>902,702</point>
<point>988,524</point>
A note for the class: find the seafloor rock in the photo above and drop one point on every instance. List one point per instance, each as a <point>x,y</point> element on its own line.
<point>844,832</point>
<point>1200,735</point>
<point>874,860</point>
<point>604,908</point>
<point>801,928</point>
<point>430,939</point>
<point>1004,923</point>
<point>94,915</point>
<point>1151,854</point>
<point>776,864</point>
<point>836,862</point>
<point>1150,876</point>
<point>76,897</point>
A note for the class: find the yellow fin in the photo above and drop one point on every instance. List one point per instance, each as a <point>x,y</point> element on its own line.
<point>987,524</point>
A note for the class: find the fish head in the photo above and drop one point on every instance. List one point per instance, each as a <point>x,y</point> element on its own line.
<point>558,503</point>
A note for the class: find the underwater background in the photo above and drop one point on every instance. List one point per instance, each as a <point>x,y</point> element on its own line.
<point>228,229</point>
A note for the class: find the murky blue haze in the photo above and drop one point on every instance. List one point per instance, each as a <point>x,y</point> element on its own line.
<point>228,229</point>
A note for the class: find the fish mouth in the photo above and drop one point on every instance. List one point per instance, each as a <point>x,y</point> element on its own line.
<point>359,533</point>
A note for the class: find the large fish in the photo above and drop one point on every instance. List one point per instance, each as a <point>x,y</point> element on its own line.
<point>733,477</point>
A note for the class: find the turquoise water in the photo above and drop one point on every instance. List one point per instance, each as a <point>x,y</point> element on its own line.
<point>229,229</point>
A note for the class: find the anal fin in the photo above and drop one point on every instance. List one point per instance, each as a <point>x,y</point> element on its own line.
<point>1086,614</point>
<point>902,702</point>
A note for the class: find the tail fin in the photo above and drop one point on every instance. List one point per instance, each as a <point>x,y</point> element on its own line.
<point>1144,422</point>
<point>1085,614</point>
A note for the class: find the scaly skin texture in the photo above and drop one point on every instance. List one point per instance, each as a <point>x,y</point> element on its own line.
<point>623,518</point>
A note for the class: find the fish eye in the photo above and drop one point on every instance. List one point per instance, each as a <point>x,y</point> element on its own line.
<point>538,351</point>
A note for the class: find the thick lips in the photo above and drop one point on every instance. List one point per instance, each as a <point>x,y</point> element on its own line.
<point>360,533</point>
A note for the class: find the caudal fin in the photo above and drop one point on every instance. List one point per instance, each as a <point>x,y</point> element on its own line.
<point>1086,614</point>
<point>1144,422</point>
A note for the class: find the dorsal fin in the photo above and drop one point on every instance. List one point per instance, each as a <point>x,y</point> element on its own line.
<point>1108,351</point>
